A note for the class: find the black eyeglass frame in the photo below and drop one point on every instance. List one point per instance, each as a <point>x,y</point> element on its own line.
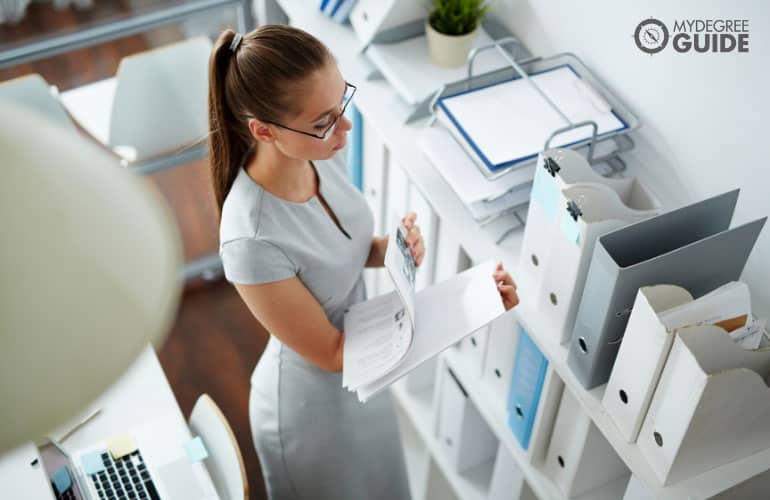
<point>325,134</point>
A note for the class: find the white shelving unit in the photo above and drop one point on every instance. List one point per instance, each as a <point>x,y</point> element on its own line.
<point>374,99</point>
<point>418,407</point>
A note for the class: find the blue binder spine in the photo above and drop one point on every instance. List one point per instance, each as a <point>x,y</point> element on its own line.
<point>529,370</point>
<point>356,153</point>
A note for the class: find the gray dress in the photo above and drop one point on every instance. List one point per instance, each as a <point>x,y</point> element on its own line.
<point>314,439</point>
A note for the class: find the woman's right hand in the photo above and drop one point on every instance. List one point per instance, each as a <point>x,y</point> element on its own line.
<point>506,286</point>
<point>414,238</point>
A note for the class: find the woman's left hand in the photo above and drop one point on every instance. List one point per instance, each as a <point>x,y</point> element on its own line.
<point>414,238</point>
<point>506,286</point>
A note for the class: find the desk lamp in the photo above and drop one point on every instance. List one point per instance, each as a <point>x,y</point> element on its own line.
<point>89,273</point>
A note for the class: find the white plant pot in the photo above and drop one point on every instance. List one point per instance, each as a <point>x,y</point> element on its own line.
<point>449,51</point>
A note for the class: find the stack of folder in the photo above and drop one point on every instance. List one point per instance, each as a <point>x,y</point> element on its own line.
<point>483,198</point>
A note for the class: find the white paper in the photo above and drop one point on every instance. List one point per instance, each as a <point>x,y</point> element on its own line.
<point>377,336</point>
<point>750,337</point>
<point>726,302</point>
<point>402,269</point>
<point>465,179</point>
<point>448,311</point>
<point>511,120</point>
<point>378,332</point>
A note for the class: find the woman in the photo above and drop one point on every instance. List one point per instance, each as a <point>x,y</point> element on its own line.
<point>295,237</point>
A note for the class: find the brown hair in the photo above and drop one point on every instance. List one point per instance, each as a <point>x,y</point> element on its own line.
<point>254,80</point>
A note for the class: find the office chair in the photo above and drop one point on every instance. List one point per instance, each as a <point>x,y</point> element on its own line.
<point>32,92</point>
<point>225,462</point>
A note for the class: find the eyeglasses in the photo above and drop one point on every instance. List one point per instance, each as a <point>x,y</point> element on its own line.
<point>350,91</point>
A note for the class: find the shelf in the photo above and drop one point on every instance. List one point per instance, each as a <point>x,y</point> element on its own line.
<point>704,485</point>
<point>497,419</point>
<point>469,485</point>
<point>375,100</point>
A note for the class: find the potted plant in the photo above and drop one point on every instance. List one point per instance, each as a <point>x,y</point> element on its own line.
<point>451,29</point>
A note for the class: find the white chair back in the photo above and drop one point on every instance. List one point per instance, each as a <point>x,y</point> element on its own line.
<point>161,99</point>
<point>225,462</point>
<point>34,93</point>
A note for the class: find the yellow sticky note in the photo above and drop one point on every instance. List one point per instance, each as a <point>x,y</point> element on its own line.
<point>121,445</point>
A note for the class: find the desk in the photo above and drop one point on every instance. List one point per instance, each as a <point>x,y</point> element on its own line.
<point>141,395</point>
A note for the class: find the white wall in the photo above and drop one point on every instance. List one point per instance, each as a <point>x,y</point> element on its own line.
<point>704,116</point>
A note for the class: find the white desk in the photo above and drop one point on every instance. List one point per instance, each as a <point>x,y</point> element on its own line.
<point>141,396</point>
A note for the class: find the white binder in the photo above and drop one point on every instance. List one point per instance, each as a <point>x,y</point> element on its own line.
<point>586,211</point>
<point>711,406</point>
<point>557,169</point>
<point>507,479</point>
<point>462,432</point>
<point>579,458</point>
<point>641,357</point>
<point>474,349</point>
<point>501,352</point>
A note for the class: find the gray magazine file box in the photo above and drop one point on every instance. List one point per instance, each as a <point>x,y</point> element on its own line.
<point>690,247</point>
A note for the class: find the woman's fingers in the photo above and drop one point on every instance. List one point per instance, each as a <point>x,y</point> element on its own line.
<point>408,221</point>
<point>509,296</point>
<point>418,252</point>
<point>506,286</point>
<point>502,275</point>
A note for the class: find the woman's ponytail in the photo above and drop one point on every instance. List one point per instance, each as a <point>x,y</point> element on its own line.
<point>253,78</point>
<point>226,145</point>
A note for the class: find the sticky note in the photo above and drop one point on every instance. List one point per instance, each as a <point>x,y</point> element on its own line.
<point>61,479</point>
<point>571,228</point>
<point>196,450</point>
<point>545,193</point>
<point>121,445</point>
<point>92,463</point>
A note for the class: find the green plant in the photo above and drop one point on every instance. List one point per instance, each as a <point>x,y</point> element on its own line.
<point>457,17</point>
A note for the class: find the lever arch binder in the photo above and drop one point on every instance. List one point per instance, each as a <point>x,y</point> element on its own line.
<point>711,406</point>
<point>691,247</point>
<point>529,372</point>
<point>462,432</point>
<point>641,357</point>
<point>587,211</point>
<point>579,458</point>
<point>558,169</point>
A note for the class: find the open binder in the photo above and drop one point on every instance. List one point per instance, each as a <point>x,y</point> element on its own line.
<point>390,335</point>
<point>691,247</point>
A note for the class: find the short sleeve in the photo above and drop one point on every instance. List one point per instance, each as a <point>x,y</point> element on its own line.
<point>251,261</point>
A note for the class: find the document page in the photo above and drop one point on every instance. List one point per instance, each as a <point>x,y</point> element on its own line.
<point>402,269</point>
<point>378,332</point>
<point>728,307</point>
<point>449,311</point>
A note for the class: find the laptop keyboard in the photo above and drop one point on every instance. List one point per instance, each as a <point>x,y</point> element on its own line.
<point>67,495</point>
<point>124,479</point>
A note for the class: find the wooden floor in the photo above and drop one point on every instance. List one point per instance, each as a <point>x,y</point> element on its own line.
<point>215,341</point>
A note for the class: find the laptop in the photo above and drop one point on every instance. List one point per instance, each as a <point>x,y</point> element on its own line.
<point>152,465</point>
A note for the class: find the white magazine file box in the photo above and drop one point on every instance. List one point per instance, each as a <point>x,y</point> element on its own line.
<point>711,406</point>
<point>641,357</point>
